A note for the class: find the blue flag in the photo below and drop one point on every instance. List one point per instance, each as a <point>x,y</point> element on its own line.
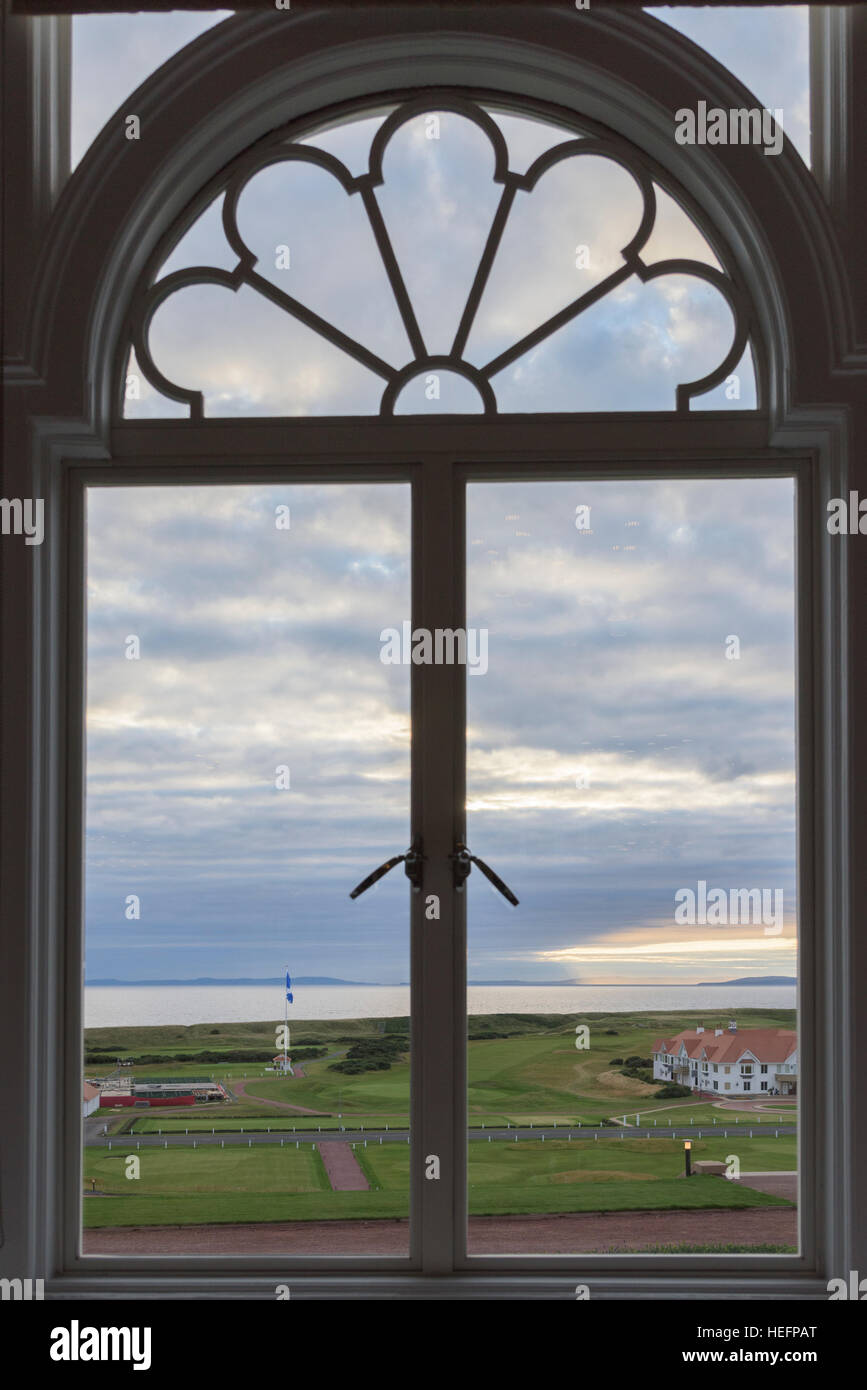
<point>288,988</point>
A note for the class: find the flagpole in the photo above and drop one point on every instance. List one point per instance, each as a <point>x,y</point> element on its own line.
<point>286,1028</point>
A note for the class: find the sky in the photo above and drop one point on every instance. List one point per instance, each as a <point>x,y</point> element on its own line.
<point>767,49</point>
<point>260,645</point>
<point>616,753</point>
<point>249,357</point>
<point>260,651</point>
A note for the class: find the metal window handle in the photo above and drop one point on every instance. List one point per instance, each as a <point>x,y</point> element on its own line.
<point>412,860</point>
<point>463,861</point>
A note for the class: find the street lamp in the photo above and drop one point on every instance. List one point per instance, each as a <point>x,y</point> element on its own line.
<point>687,1146</point>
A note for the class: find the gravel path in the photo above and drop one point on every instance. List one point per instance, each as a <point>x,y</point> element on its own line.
<point>777,1184</point>
<point>240,1090</point>
<point>584,1232</point>
<point>342,1168</point>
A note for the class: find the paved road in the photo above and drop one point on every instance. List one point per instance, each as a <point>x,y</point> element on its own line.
<point>348,1136</point>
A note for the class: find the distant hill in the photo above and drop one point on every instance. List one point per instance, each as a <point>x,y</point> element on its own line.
<point>755,980</point>
<point>538,984</point>
<point>211,980</point>
<point>529,984</point>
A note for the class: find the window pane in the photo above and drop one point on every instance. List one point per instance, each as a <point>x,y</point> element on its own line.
<point>248,764</point>
<point>468,275</point>
<point>631,777</point>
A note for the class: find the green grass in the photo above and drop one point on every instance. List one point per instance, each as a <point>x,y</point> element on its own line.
<point>536,1070</point>
<point>666,1194</point>
<point>182,1186</point>
<point>277,1122</point>
<point>211,1037</point>
<point>605,1175</point>
<point>376,1093</point>
<point>194,1186</point>
<point>535,1074</point>
<point>705,1113</point>
<point>237,1208</point>
<point>253,1121</point>
<point>686,1249</point>
<point>166,1172</point>
<point>557,1162</point>
<point>533,1165</point>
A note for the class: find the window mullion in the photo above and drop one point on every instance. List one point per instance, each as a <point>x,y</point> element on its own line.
<point>438,911</point>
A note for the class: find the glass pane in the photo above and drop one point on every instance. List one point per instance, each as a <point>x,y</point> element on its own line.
<point>424,300</point>
<point>141,401</point>
<point>248,764</point>
<point>737,392</point>
<point>313,241</point>
<point>528,137</point>
<point>629,351</point>
<point>348,140</point>
<point>438,201</point>
<point>247,357</point>
<point>439,392</point>
<point>631,777</point>
<point>540,267</point>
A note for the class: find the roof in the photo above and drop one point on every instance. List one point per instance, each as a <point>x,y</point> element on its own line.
<point>765,1044</point>
<point>90,1091</point>
<point>170,1080</point>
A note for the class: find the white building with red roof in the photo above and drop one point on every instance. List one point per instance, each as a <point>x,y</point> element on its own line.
<point>730,1061</point>
<point>90,1101</point>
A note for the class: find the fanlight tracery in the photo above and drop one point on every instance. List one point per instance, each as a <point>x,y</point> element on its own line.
<point>465,357</point>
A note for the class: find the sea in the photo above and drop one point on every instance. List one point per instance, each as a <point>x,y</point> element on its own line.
<point>111,1006</point>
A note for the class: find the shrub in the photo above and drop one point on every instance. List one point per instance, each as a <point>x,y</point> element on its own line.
<point>210,1057</point>
<point>670,1090</point>
<point>638,1074</point>
<point>371,1054</point>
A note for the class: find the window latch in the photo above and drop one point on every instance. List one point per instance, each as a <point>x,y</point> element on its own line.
<point>463,861</point>
<point>412,862</point>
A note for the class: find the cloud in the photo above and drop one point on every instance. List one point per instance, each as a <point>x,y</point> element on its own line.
<point>606,651</point>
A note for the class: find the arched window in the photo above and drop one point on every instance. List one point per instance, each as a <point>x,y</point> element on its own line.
<point>435,453</point>
<point>471,258</point>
